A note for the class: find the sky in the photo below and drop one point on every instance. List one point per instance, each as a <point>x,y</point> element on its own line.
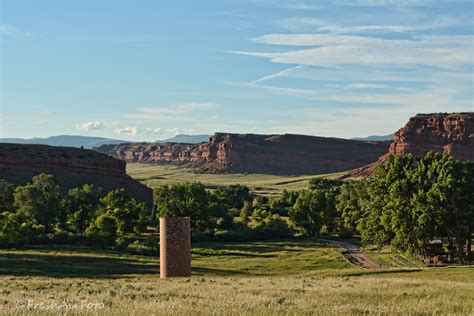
<point>144,70</point>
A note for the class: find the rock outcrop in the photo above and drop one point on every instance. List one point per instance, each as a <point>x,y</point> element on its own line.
<point>439,132</point>
<point>449,133</point>
<point>72,167</point>
<point>250,153</point>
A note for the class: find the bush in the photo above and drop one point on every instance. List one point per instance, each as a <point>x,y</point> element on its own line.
<point>60,236</point>
<point>103,231</point>
<point>143,248</point>
<point>346,232</point>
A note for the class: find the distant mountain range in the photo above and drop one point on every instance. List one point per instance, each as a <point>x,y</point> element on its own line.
<point>91,142</point>
<point>187,139</point>
<point>66,141</point>
<point>376,138</point>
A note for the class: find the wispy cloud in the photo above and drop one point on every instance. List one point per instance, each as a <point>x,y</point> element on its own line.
<point>170,112</point>
<point>280,74</point>
<point>10,30</point>
<point>337,50</point>
<point>89,126</point>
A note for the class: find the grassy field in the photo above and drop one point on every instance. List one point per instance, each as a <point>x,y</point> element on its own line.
<point>274,277</point>
<point>155,175</point>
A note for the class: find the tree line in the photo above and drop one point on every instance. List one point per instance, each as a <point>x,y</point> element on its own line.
<point>406,204</point>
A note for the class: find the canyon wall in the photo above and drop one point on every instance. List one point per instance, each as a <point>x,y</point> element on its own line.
<point>249,153</point>
<point>449,133</point>
<point>439,132</point>
<point>72,167</point>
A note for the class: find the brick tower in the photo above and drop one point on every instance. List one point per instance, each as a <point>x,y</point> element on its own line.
<point>175,247</point>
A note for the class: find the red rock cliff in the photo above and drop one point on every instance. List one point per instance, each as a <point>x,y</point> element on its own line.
<point>71,166</point>
<point>250,153</point>
<point>440,132</point>
<point>449,133</point>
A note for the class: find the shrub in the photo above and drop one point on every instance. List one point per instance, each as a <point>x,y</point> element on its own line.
<point>143,248</point>
<point>346,232</point>
<point>103,231</point>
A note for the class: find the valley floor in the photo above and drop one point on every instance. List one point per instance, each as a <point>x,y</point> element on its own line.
<point>295,276</point>
<point>263,184</point>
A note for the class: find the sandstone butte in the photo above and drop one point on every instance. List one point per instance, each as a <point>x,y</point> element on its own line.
<point>249,153</point>
<point>439,132</point>
<point>72,167</point>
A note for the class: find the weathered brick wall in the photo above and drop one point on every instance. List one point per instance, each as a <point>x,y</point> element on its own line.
<point>175,247</point>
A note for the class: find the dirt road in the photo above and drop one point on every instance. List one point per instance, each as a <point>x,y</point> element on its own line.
<point>355,255</point>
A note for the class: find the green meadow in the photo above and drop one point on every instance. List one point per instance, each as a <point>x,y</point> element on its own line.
<point>263,184</point>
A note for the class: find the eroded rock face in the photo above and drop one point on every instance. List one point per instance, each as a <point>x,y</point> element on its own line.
<point>449,133</point>
<point>72,167</point>
<point>250,153</point>
<point>439,132</point>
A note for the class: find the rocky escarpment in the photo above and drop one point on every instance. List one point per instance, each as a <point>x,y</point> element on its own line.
<point>72,167</point>
<point>250,153</point>
<point>439,132</point>
<point>449,133</point>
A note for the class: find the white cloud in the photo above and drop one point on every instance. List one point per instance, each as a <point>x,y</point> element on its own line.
<point>174,130</point>
<point>127,130</point>
<point>337,50</point>
<point>89,126</point>
<point>150,130</point>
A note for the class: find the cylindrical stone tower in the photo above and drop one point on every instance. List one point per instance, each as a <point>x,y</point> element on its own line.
<point>175,247</point>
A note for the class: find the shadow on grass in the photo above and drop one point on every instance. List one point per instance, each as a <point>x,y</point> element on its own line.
<point>376,272</point>
<point>222,272</point>
<point>57,265</point>
<point>261,247</point>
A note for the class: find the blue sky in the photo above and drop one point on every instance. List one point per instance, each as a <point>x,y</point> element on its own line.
<point>146,70</point>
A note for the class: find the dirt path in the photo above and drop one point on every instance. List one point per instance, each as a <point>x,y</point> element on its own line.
<point>355,255</point>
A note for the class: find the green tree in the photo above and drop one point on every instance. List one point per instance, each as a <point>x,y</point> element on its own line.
<point>306,214</point>
<point>349,202</point>
<point>260,201</point>
<point>409,203</point>
<point>82,205</point>
<point>324,184</point>
<point>103,231</point>
<point>10,229</point>
<point>443,201</point>
<point>246,212</point>
<point>233,196</point>
<point>6,196</point>
<point>185,199</point>
<point>40,201</point>
<point>387,202</point>
<point>131,215</point>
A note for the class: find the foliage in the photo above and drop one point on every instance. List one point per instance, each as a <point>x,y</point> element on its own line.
<point>186,199</point>
<point>40,201</point>
<point>131,216</point>
<point>81,205</point>
<point>6,196</point>
<point>233,196</point>
<point>246,212</point>
<point>349,202</point>
<point>103,231</point>
<point>312,210</point>
<point>409,203</point>
<point>324,184</point>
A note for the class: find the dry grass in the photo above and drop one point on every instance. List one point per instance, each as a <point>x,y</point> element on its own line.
<point>296,295</point>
